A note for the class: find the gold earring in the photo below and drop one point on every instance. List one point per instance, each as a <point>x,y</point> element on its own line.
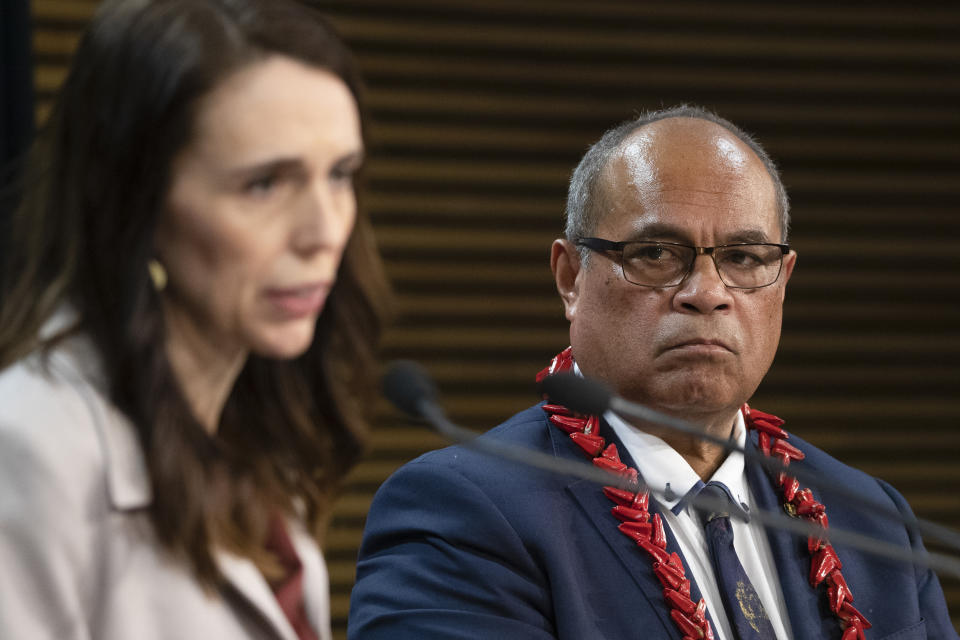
<point>158,275</point>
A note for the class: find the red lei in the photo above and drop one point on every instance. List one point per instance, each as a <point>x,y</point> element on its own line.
<point>632,510</point>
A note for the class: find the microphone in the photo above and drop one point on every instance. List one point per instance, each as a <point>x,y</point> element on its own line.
<point>584,395</point>
<point>592,397</point>
<point>409,387</point>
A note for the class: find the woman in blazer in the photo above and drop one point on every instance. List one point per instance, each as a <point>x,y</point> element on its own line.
<point>187,329</point>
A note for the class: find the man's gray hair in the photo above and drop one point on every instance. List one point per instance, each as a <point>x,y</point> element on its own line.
<point>585,188</point>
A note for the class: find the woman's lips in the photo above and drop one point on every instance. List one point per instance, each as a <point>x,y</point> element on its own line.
<point>296,302</point>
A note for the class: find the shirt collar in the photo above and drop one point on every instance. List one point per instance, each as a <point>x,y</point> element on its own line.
<point>663,469</point>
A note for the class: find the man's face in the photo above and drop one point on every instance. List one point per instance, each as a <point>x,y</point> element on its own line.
<point>700,347</point>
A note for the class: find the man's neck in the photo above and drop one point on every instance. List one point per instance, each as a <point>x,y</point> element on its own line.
<point>702,456</point>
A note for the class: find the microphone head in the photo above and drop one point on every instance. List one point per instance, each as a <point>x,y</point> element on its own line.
<point>408,386</point>
<point>583,395</point>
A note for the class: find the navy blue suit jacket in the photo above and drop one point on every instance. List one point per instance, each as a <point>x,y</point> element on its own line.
<point>462,545</point>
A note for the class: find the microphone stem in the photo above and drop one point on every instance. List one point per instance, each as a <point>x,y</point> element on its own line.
<point>433,414</point>
<point>436,417</point>
<point>918,526</point>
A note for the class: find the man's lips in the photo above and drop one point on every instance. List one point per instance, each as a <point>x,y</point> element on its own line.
<point>701,345</point>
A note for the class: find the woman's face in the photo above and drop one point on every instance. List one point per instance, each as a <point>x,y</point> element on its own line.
<point>260,208</point>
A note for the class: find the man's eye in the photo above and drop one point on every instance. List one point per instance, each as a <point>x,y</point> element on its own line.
<point>653,253</point>
<point>743,258</point>
<point>650,253</point>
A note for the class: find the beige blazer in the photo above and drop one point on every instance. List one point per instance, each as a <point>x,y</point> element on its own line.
<point>78,557</point>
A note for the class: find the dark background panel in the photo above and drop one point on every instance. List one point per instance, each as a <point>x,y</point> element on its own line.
<point>16,103</point>
<point>481,108</point>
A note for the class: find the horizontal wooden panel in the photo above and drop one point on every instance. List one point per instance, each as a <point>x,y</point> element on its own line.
<point>455,137</point>
<point>890,17</point>
<point>48,78</point>
<point>878,80</point>
<point>55,43</point>
<point>394,208</point>
<point>484,175</point>
<point>493,240</point>
<point>571,40</point>
<point>78,11</point>
<point>514,107</point>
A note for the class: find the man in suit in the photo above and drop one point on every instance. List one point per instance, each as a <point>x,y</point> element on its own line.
<point>672,274</point>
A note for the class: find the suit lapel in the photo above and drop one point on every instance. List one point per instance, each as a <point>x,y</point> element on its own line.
<point>246,581</point>
<point>789,552</point>
<point>792,559</point>
<point>636,561</point>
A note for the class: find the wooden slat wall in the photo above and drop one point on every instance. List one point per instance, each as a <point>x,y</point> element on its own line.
<point>480,109</point>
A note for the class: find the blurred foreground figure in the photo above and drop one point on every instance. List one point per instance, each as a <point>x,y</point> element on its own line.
<point>672,274</point>
<point>186,337</point>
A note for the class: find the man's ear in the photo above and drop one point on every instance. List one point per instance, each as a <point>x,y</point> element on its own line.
<point>565,264</point>
<point>789,262</point>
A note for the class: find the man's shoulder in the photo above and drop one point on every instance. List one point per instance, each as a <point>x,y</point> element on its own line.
<point>477,489</point>
<point>527,430</point>
<point>836,473</point>
<point>817,459</point>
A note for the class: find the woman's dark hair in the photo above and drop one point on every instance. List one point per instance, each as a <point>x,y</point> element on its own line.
<point>96,184</point>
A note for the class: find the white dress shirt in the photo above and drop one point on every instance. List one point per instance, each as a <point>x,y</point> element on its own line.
<point>661,467</point>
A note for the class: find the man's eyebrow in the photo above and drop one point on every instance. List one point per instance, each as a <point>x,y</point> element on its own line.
<point>659,231</point>
<point>666,232</point>
<point>748,235</point>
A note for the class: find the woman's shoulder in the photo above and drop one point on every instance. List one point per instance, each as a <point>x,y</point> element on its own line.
<point>49,391</point>
<point>50,438</point>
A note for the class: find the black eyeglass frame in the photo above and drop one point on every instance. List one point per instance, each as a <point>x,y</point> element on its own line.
<point>602,245</point>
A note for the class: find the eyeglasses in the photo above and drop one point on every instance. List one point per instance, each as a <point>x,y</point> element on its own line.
<point>667,264</point>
